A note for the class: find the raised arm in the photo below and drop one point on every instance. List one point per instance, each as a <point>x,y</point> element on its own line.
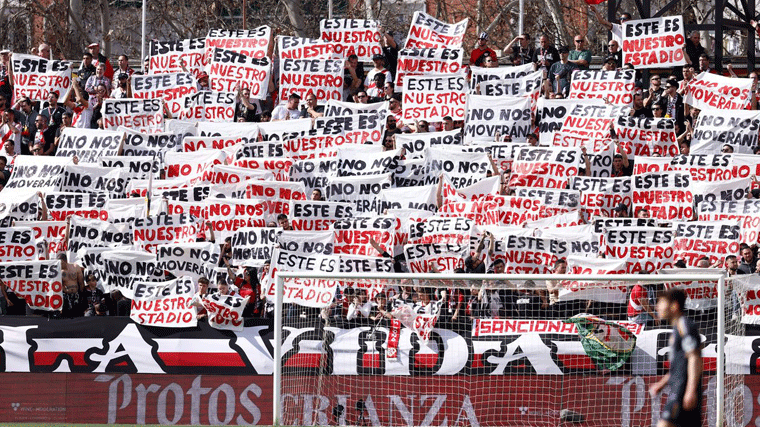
<point>603,22</point>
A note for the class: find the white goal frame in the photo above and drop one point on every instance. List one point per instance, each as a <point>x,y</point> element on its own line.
<point>281,276</point>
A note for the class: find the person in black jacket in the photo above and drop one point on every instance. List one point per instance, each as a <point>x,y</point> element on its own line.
<point>672,104</point>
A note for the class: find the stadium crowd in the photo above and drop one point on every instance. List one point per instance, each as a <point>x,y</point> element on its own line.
<point>33,128</point>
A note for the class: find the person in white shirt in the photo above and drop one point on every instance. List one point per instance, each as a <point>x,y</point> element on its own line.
<point>359,305</point>
<point>288,111</point>
<point>370,83</point>
<point>10,130</point>
<point>615,29</point>
<point>82,108</point>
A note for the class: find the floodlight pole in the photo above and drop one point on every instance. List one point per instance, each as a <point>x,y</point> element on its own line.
<point>144,35</point>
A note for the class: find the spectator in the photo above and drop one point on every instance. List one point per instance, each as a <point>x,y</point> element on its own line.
<point>101,94</point>
<point>390,128</point>
<point>474,262</point>
<point>481,51</point>
<point>704,64</point>
<point>122,68</point>
<point>521,47</point>
<point>311,109</point>
<point>748,264</point>
<point>615,29</point>
<point>123,88</point>
<point>673,103</point>
<point>610,64</point>
<point>639,109</point>
<point>9,149</point>
<point>72,279</point>
<point>288,111</point>
<point>123,304</point>
<point>94,297</point>
<point>203,284</point>
<point>45,138</point>
<point>546,55</point>
<point>389,92</point>
<point>560,73</point>
<point>693,48</point>
<point>580,56</point>
<point>53,113</point>
<point>67,121</point>
<point>658,111</point>
<point>620,164</point>
<point>28,129</point>
<point>10,131</point>
<point>225,253</point>
<point>359,305</point>
<point>283,222</point>
<point>621,211</point>
<point>640,309</point>
<point>6,90</point>
<point>684,146</point>
<point>203,85</point>
<point>13,305</point>
<point>448,124</point>
<point>655,90</point>
<point>361,97</point>
<point>421,126</point>
<point>370,84</point>
<point>394,105</point>
<point>381,309</point>
<point>556,308</point>
<point>353,76</point>
<point>613,50</point>
<point>82,108</point>
<point>98,79</point>
<point>5,174</point>
<point>732,265</point>
<point>98,58</point>
<point>246,110</point>
<point>688,77</point>
<point>390,50</point>
<point>43,51</point>
<point>86,69</point>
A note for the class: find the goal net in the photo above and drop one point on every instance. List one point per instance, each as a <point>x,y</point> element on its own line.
<point>499,350</point>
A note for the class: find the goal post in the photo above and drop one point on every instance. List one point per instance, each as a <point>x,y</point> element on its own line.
<point>337,366</point>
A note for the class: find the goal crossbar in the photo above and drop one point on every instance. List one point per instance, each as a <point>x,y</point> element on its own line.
<point>281,276</point>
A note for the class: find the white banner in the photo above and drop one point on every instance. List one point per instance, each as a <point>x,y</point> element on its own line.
<point>716,128</point>
<point>167,56</point>
<point>427,32</point>
<point>165,304</point>
<point>253,42</point>
<point>37,282</point>
<point>614,87</point>
<point>487,117</point>
<point>230,71</point>
<point>717,92</point>
<point>142,115</point>
<point>417,62</point>
<point>194,260</point>
<point>36,77</point>
<point>433,97</point>
<point>352,37</point>
<point>654,42</point>
<point>171,87</point>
